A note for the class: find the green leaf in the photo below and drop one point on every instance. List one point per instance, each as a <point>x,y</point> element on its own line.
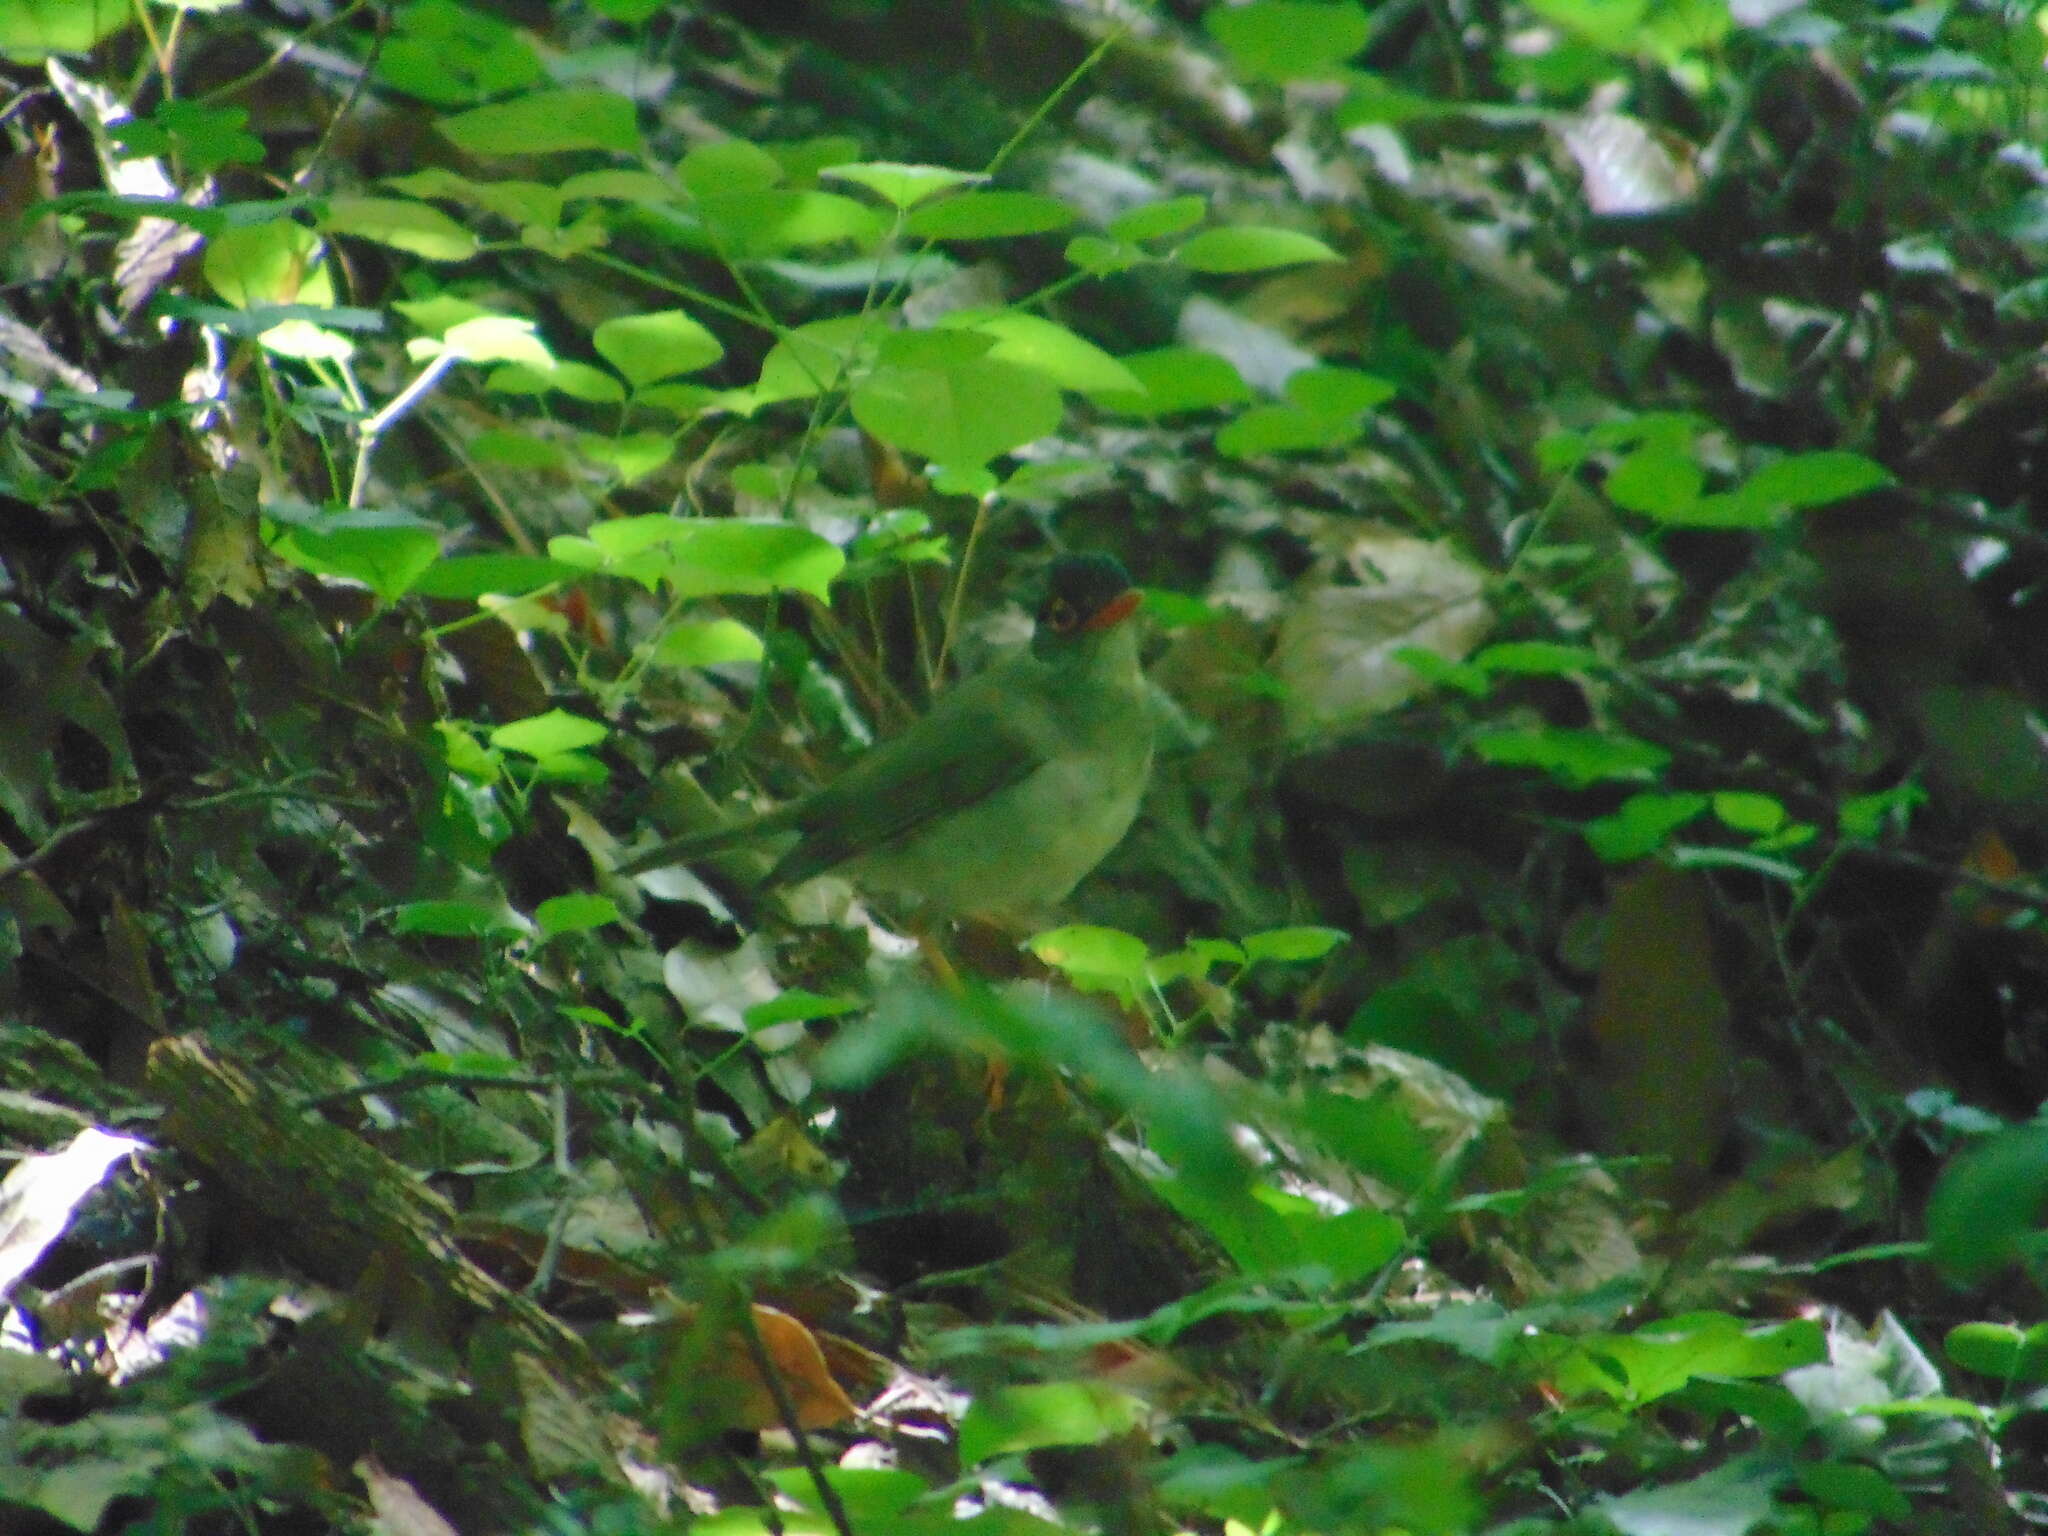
<point>451,55</point>
<point>1289,39</point>
<point>576,913</point>
<point>632,456</point>
<point>1251,248</point>
<point>616,184</point>
<point>819,356</point>
<point>1657,480</point>
<point>756,225</point>
<point>1045,347</point>
<point>1293,944</point>
<point>402,224</point>
<point>1088,950</point>
<point>1538,658</point>
<point>517,450</point>
<point>1054,1413</point>
<point>1378,1135</point>
<point>1444,672</point>
<point>1340,392</point>
<point>1641,825</point>
<point>903,186</point>
<point>1804,480</point>
<point>1989,1205</point>
<point>961,416</point>
<point>2000,1351</point>
<point>1852,1486</point>
<point>1865,817</point>
<point>796,1006</point>
<point>727,555</point>
<point>1103,258</point>
<point>989,216</point>
<point>707,644</point>
<point>387,560</point>
<point>1575,758</point>
<point>1193,960</point>
<point>32,30</point>
<point>1156,220</point>
<point>1731,1500</point>
<point>458,920</point>
<point>728,165</point>
<point>658,345</point>
<point>1284,429</point>
<point>546,122</point>
<point>276,262</point>
<point>1174,379</point>
<point>547,735</point>
<point>202,138</point>
<point>579,381</point>
<point>497,339</point>
<point>1742,811</point>
<point>873,1498</point>
<point>471,576</point>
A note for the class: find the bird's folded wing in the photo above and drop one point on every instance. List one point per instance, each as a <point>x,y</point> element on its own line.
<point>905,784</point>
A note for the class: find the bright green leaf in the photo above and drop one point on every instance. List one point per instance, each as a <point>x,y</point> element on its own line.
<point>726,166</point>
<point>576,913</point>
<point>387,560</point>
<point>1175,379</point>
<point>707,644</point>
<point>1742,811</point>
<point>1045,347</point>
<point>497,339</point>
<point>402,224</point>
<point>989,216</point>
<point>546,735</point>
<point>1251,248</point>
<point>1289,39</point>
<point>1804,480</point>
<point>1154,221</point>
<point>1538,658</point>
<point>1342,392</point>
<point>32,30</point>
<point>1092,951</point>
<point>471,576</point>
<point>579,381</point>
<point>277,262</point>
<point>1990,1204</point>
<point>1103,258</point>
<point>546,122</point>
<point>1656,480</point>
<point>650,347</point>
<point>903,186</point>
<point>457,920</point>
<point>1641,825</point>
<point>962,416</point>
<point>1053,1413</point>
<point>1284,429</point>
<point>631,456</point>
<point>1575,758</point>
<point>1293,944</point>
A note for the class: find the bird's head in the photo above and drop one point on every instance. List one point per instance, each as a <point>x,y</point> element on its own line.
<point>1087,599</point>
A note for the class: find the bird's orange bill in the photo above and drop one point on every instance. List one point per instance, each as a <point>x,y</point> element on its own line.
<point>1116,610</point>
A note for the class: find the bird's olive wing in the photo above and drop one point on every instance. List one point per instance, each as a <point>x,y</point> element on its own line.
<point>951,759</point>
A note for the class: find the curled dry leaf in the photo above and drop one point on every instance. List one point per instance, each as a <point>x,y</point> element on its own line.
<point>1336,655</point>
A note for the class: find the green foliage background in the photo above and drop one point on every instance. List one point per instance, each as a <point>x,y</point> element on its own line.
<point>1561,1051</point>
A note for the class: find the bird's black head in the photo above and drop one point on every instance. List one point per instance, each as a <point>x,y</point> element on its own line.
<point>1085,594</point>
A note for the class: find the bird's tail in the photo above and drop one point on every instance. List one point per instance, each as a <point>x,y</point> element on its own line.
<point>697,845</point>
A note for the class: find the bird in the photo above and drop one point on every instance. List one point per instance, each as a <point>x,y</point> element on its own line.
<point>1002,798</point>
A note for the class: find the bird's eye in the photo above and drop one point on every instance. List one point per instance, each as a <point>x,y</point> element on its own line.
<point>1060,616</point>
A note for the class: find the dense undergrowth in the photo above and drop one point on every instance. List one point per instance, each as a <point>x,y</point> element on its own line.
<point>1560,1050</point>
